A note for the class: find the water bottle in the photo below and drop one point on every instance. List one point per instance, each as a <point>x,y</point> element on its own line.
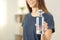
<point>39,22</point>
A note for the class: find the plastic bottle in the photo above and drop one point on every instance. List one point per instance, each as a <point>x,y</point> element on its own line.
<point>39,22</point>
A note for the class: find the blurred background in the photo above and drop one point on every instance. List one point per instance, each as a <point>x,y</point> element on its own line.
<point>12,13</point>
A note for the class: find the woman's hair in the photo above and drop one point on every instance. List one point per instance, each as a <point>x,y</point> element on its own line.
<point>41,5</point>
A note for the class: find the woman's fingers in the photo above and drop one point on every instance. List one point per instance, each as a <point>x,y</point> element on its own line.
<point>45,25</point>
<point>38,27</point>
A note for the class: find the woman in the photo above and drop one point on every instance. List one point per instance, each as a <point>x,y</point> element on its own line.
<point>29,22</point>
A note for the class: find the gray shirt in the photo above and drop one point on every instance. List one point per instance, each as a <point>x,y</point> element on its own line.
<point>29,29</point>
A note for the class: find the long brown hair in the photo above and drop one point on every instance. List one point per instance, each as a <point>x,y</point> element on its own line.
<point>41,5</point>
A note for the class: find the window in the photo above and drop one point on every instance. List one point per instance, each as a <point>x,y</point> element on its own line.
<point>3,13</point>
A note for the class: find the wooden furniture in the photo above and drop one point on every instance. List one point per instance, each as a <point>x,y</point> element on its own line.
<point>18,37</point>
<point>19,19</point>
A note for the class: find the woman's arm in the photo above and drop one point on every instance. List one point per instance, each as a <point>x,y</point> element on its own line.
<point>47,35</point>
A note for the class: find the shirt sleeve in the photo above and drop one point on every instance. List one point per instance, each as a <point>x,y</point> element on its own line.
<point>24,20</point>
<point>51,24</point>
<point>25,36</point>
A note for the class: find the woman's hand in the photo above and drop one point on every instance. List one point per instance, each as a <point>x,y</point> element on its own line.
<point>48,32</point>
<point>45,25</point>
